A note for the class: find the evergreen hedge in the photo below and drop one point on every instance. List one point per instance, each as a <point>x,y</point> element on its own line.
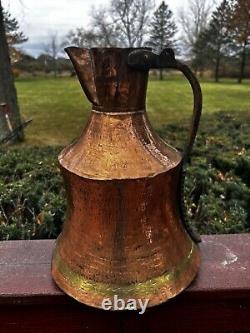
<point>217,186</point>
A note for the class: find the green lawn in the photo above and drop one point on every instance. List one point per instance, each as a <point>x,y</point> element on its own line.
<point>59,109</point>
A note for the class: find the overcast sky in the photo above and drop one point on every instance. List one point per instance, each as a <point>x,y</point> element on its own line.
<point>39,18</point>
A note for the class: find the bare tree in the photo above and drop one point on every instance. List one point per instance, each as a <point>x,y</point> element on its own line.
<point>122,23</point>
<point>53,48</point>
<point>102,25</point>
<point>101,32</point>
<point>8,93</point>
<point>81,37</point>
<point>194,20</point>
<point>131,18</point>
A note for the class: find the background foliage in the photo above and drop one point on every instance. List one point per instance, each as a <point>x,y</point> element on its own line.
<point>32,199</point>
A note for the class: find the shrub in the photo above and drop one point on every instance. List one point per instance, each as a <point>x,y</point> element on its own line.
<point>32,201</point>
<point>217,193</point>
<point>217,186</point>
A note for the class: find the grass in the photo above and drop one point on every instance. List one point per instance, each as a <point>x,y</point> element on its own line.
<point>59,108</point>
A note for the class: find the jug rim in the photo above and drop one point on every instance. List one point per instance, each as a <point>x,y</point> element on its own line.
<point>109,48</point>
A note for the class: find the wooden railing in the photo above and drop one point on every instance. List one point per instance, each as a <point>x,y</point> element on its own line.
<point>217,301</point>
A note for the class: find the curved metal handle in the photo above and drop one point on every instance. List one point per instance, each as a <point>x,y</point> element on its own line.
<point>197,106</point>
<point>144,59</point>
<point>192,135</point>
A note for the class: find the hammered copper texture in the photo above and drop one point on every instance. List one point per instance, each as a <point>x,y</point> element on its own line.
<point>123,234</point>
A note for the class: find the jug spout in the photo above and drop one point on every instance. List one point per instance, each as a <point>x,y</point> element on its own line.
<point>82,62</point>
<point>107,79</point>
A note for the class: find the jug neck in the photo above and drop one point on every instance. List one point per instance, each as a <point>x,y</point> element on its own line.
<point>109,83</point>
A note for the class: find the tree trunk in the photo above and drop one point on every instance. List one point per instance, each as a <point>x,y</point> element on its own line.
<point>217,68</point>
<point>161,74</point>
<point>55,67</point>
<point>243,63</point>
<point>8,93</point>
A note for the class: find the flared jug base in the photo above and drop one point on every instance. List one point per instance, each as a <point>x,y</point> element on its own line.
<point>153,291</point>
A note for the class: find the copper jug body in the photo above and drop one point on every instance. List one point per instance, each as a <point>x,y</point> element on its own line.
<point>125,232</point>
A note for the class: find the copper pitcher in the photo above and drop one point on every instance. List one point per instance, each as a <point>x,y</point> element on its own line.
<point>125,232</point>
